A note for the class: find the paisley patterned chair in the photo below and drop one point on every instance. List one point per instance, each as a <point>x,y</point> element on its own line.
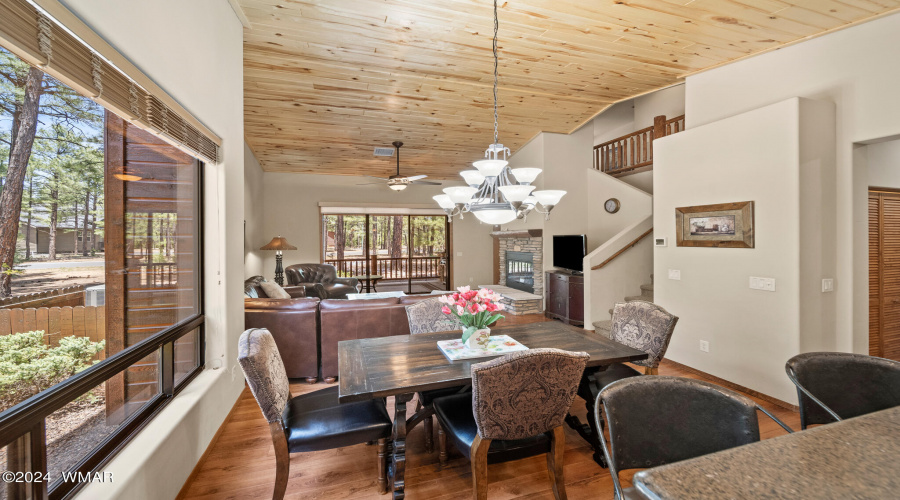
<point>516,410</point>
<point>426,317</point>
<point>641,325</point>
<point>311,422</point>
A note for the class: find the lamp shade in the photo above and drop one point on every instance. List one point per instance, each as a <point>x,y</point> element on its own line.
<point>549,197</point>
<point>490,168</point>
<point>495,217</point>
<point>472,177</point>
<point>460,194</point>
<point>526,175</point>
<point>278,243</point>
<point>443,201</point>
<point>516,193</point>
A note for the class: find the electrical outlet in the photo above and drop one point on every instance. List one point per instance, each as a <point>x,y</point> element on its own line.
<point>704,346</point>
<point>828,285</point>
<point>765,284</point>
<point>459,254</point>
<point>674,274</point>
<point>471,279</point>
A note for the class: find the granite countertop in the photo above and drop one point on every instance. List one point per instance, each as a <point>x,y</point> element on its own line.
<point>855,458</point>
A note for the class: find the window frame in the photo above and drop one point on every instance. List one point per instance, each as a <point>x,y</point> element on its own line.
<point>29,416</point>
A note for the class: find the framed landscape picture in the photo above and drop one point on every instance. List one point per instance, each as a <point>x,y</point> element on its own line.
<point>727,225</point>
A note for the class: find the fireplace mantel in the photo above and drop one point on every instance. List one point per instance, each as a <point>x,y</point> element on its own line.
<point>522,233</point>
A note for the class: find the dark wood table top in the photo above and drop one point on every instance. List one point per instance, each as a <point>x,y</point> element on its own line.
<point>855,458</point>
<point>403,364</point>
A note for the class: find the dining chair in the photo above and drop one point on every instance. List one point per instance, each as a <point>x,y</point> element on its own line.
<point>638,324</point>
<point>426,317</point>
<point>833,386</point>
<point>654,421</point>
<point>516,410</point>
<point>310,422</point>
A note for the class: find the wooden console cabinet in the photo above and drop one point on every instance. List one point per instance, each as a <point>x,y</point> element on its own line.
<point>564,297</point>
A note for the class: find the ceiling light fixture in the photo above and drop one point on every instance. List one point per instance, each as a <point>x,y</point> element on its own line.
<point>495,193</point>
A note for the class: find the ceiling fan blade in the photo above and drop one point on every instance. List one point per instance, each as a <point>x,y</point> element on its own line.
<point>416,177</point>
<point>426,182</point>
<point>373,177</point>
<point>369,183</point>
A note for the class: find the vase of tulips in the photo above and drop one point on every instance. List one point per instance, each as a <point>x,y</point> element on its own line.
<point>477,310</point>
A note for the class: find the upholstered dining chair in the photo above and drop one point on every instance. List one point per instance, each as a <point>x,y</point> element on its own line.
<point>516,410</point>
<point>310,422</point>
<point>426,317</point>
<point>833,386</point>
<point>642,325</point>
<point>690,418</point>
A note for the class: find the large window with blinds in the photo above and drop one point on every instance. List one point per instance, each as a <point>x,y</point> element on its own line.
<point>100,181</point>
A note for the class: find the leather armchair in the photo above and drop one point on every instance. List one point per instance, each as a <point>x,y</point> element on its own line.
<point>321,279</point>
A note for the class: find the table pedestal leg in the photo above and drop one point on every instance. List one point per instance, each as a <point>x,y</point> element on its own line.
<point>398,455</point>
<point>590,431</point>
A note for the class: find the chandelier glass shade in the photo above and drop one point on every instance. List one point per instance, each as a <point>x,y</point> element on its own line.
<point>495,193</point>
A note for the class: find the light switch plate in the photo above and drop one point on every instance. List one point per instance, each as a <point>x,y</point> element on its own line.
<point>828,285</point>
<point>674,274</point>
<point>765,284</point>
<point>704,345</point>
<point>660,242</point>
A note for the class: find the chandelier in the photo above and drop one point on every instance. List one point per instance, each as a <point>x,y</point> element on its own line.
<point>495,193</point>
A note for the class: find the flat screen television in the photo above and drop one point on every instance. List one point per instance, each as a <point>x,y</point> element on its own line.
<point>569,251</point>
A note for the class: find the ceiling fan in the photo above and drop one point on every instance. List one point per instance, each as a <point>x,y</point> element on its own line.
<point>399,182</point>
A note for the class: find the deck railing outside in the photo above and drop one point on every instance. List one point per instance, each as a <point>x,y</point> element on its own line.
<point>391,267</point>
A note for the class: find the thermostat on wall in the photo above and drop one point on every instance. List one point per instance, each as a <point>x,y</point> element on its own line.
<point>660,242</point>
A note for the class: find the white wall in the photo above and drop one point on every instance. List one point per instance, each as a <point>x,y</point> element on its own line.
<point>202,68</point>
<point>855,69</point>
<point>751,333</point>
<point>884,164</point>
<point>291,208</point>
<point>254,194</point>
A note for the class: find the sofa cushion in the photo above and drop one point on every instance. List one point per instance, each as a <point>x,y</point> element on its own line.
<point>274,290</point>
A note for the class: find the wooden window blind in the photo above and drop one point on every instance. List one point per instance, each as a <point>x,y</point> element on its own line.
<point>40,40</point>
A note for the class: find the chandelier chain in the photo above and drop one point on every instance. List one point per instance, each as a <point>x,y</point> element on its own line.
<point>496,27</point>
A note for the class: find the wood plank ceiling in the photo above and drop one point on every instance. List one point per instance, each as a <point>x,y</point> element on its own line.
<point>327,81</point>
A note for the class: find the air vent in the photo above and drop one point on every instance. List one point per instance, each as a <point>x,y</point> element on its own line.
<point>384,151</point>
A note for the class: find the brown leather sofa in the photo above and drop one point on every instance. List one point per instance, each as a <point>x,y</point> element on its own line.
<point>360,319</point>
<point>321,280</point>
<point>293,323</point>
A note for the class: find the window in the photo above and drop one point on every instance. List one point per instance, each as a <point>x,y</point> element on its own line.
<point>410,253</point>
<point>95,186</point>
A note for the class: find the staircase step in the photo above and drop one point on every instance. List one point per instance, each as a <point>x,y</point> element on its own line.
<point>647,288</point>
<point>645,298</point>
<point>603,327</point>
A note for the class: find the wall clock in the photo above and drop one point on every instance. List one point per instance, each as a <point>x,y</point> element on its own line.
<point>612,205</point>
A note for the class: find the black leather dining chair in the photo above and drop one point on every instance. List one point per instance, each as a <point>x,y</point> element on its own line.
<point>833,386</point>
<point>516,410</point>
<point>659,420</point>
<point>310,422</point>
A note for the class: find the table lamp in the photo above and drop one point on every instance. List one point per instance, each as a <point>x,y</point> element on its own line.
<point>278,244</point>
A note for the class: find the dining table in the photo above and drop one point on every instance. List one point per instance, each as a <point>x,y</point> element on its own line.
<point>854,458</point>
<point>400,366</point>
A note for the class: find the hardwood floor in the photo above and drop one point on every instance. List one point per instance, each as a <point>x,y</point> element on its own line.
<point>241,463</point>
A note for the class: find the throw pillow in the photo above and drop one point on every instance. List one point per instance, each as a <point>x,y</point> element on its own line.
<point>274,290</point>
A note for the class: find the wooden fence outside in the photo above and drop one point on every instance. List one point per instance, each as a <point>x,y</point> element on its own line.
<point>67,296</point>
<point>56,322</point>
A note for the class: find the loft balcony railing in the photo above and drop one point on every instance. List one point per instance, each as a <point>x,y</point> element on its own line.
<point>633,153</point>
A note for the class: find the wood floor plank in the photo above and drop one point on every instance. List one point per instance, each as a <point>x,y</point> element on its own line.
<point>241,464</point>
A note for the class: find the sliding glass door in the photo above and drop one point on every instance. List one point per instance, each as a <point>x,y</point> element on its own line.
<point>389,253</point>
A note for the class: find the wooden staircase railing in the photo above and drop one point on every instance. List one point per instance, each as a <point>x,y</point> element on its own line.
<point>633,153</point>
<point>623,249</point>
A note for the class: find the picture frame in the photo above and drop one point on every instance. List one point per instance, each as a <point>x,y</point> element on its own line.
<point>725,225</point>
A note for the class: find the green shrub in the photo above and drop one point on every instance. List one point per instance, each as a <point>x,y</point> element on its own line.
<point>28,366</point>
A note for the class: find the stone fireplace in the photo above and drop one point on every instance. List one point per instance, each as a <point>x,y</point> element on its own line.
<point>519,265</point>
